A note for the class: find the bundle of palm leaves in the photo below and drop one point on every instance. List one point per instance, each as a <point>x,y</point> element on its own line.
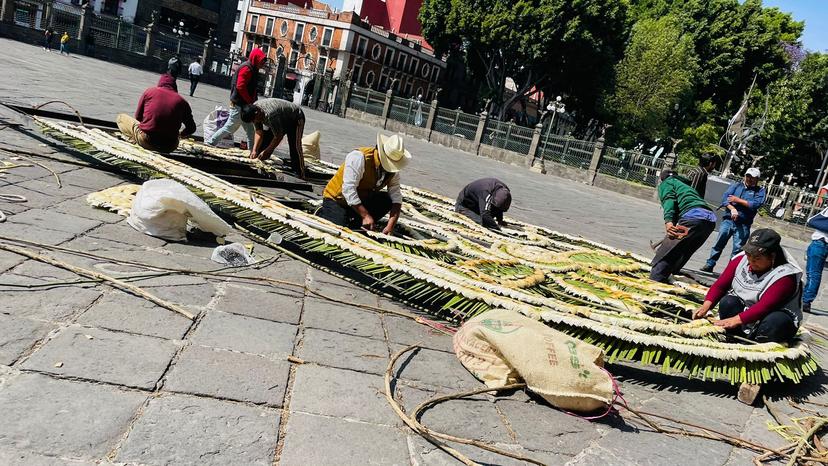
<point>449,266</point>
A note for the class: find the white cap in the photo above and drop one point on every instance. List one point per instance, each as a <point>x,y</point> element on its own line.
<point>753,172</point>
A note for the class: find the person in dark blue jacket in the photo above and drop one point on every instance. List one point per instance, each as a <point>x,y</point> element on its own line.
<point>741,201</point>
<point>816,255</point>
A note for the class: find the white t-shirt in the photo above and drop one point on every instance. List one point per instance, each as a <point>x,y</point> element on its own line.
<point>195,69</point>
<point>354,169</point>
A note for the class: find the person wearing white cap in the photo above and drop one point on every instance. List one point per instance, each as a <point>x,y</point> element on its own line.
<point>741,201</point>
<point>354,197</point>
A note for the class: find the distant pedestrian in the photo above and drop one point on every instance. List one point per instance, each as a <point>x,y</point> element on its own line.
<point>243,89</point>
<point>741,202</point>
<point>64,43</point>
<point>174,66</point>
<point>698,175</point>
<point>48,36</point>
<point>195,71</point>
<point>816,256</point>
<point>90,44</point>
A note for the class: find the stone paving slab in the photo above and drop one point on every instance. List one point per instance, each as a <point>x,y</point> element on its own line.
<point>55,220</point>
<point>121,311</point>
<point>434,368</point>
<point>342,394</point>
<point>61,417</point>
<point>344,351</point>
<point>424,453</point>
<point>336,317</point>
<point>9,260</point>
<point>15,457</point>
<point>406,332</point>
<point>542,428</point>
<point>53,304</point>
<point>92,179</point>
<point>322,441</point>
<point>78,207</point>
<point>245,334</point>
<point>187,430</point>
<point>228,375</point>
<point>280,305</point>
<point>42,235</point>
<point>94,354</point>
<point>122,232</point>
<point>18,335</point>
<point>480,420</point>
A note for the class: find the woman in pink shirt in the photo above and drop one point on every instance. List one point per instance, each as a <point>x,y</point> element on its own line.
<point>759,293</point>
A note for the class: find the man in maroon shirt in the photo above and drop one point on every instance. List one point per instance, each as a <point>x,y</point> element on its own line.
<point>158,118</point>
<point>759,292</point>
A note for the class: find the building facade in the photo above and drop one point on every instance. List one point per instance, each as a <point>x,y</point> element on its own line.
<point>317,40</point>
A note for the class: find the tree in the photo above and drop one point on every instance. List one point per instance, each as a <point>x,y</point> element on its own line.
<point>656,73</point>
<point>566,46</point>
<point>798,120</point>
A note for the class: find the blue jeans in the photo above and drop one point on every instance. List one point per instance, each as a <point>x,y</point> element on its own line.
<point>728,228</point>
<point>816,255</point>
<point>231,125</point>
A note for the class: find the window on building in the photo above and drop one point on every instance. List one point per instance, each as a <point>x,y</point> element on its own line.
<point>362,47</point>
<point>299,32</point>
<point>356,76</point>
<point>389,57</point>
<point>322,64</point>
<point>249,48</point>
<point>435,74</point>
<point>269,26</point>
<point>238,16</point>
<point>280,51</point>
<point>313,34</point>
<point>307,61</point>
<point>409,86</point>
<point>254,22</point>
<point>265,48</point>
<point>369,79</point>
<point>294,57</point>
<point>283,29</point>
<point>424,70</point>
<point>419,91</point>
<point>402,60</point>
<point>327,37</point>
<point>383,83</point>
<point>375,51</point>
<point>413,68</point>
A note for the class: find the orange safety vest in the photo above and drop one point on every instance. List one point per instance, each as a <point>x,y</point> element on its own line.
<point>369,183</point>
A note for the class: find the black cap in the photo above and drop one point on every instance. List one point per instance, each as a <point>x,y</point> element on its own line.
<point>762,241</point>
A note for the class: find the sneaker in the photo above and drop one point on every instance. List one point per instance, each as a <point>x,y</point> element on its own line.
<point>707,268</point>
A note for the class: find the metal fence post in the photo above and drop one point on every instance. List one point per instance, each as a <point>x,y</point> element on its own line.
<point>597,157</point>
<point>85,24</point>
<point>386,108</point>
<point>347,87</point>
<point>7,11</point>
<point>432,116</point>
<point>481,129</point>
<point>532,156</point>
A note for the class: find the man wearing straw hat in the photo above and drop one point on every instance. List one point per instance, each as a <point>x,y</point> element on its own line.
<point>354,197</point>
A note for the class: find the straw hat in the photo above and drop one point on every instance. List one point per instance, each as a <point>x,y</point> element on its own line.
<point>392,153</point>
<point>310,145</point>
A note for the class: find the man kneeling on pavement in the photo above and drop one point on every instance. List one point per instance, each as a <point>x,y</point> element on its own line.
<point>158,118</point>
<point>484,201</point>
<point>354,198</point>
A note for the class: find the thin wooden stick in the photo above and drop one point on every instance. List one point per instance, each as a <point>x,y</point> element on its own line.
<point>99,276</point>
<point>410,422</point>
<point>801,448</point>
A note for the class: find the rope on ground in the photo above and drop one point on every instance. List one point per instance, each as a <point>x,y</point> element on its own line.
<point>12,198</point>
<point>92,274</point>
<point>17,154</point>
<point>414,425</point>
<point>77,113</point>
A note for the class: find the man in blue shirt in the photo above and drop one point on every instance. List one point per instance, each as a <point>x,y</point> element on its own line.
<point>741,201</point>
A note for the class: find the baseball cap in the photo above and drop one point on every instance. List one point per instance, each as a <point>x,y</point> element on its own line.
<point>761,241</point>
<point>753,172</point>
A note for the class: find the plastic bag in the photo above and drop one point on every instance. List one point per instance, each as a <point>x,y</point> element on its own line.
<point>162,208</point>
<point>213,122</point>
<point>233,254</point>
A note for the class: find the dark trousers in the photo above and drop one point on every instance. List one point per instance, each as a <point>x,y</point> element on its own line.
<point>193,84</point>
<point>461,209</point>
<point>778,326</point>
<point>673,254</point>
<point>378,205</point>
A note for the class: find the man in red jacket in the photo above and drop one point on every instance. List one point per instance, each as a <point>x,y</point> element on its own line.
<point>242,93</point>
<point>158,118</point>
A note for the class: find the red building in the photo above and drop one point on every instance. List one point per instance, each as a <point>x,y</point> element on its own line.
<point>397,16</point>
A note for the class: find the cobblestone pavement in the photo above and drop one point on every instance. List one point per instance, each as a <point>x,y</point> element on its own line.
<point>89,374</point>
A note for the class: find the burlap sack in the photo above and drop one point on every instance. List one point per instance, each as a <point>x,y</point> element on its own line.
<point>501,347</point>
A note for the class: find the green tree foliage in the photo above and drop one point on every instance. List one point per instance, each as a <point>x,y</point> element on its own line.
<point>797,119</point>
<point>567,46</point>
<point>656,73</point>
